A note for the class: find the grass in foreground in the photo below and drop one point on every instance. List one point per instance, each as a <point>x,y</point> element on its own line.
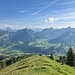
<point>37,65</point>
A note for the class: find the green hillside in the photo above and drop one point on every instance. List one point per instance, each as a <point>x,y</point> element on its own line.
<point>37,65</point>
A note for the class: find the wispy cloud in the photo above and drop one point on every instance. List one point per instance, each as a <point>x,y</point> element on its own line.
<point>45,7</point>
<point>23,11</point>
<point>66,16</point>
<point>69,14</point>
<point>42,9</point>
<point>71,2</point>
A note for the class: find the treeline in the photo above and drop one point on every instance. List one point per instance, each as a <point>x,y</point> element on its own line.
<point>9,61</point>
<point>69,59</point>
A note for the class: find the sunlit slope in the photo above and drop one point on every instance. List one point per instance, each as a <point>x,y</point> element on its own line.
<point>38,65</point>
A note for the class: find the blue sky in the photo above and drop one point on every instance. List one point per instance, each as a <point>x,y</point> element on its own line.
<point>37,13</point>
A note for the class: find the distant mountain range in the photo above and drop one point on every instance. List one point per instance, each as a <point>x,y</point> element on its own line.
<point>9,29</point>
<point>47,41</point>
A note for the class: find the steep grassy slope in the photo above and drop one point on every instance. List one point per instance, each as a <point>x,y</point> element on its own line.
<point>37,65</point>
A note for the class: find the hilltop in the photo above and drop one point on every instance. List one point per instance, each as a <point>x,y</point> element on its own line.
<point>37,65</point>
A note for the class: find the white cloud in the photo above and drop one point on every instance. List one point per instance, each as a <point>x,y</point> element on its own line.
<point>51,19</point>
<point>3,25</point>
<point>6,25</point>
<point>46,21</point>
<point>65,16</point>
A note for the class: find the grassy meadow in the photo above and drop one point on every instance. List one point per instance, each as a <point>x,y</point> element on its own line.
<point>37,65</point>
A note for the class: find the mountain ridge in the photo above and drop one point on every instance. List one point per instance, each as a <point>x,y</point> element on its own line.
<point>49,40</point>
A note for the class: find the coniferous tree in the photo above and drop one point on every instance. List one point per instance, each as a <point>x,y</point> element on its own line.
<point>70,57</point>
<point>74,60</point>
<point>65,59</point>
<point>61,60</point>
<point>52,57</point>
